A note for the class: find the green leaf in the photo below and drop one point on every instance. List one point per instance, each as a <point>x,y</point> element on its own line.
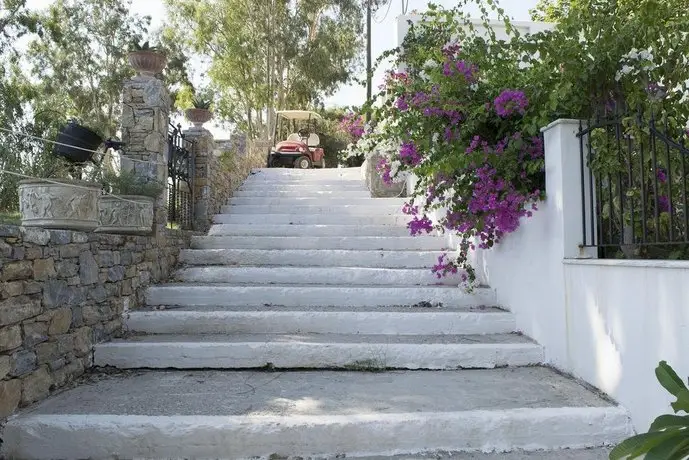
<point>669,448</point>
<point>669,379</point>
<point>667,421</point>
<point>638,445</point>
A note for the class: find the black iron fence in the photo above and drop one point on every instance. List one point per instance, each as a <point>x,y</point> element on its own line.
<point>180,179</point>
<point>634,194</point>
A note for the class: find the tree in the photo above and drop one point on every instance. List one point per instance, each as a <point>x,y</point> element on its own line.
<point>270,54</point>
<point>80,62</point>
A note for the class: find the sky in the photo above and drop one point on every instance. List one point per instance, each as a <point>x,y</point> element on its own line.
<point>383,36</point>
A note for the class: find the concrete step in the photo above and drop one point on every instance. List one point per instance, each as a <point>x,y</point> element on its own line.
<point>238,415</point>
<point>305,193</point>
<point>317,209</point>
<point>309,219</point>
<point>314,296</point>
<point>343,276</point>
<point>310,230</point>
<point>559,454</point>
<point>281,320</point>
<point>296,186</point>
<point>318,351</point>
<point>314,200</point>
<point>310,258</point>
<point>354,243</point>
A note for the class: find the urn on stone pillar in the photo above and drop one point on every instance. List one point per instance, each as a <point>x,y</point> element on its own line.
<point>147,60</point>
<point>200,113</point>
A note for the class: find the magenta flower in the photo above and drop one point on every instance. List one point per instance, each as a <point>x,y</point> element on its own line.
<point>409,154</point>
<point>510,102</point>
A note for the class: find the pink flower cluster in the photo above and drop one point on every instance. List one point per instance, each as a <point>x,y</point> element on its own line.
<point>353,125</point>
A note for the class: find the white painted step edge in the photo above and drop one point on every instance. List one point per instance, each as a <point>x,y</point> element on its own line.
<point>357,435</point>
<point>316,209</point>
<point>358,276</point>
<point>311,230</point>
<point>305,200</point>
<point>310,258</point>
<point>307,219</point>
<point>314,296</point>
<point>303,355</point>
<point>320,322</point>
<point>326,194</point>
<point>307,241</point>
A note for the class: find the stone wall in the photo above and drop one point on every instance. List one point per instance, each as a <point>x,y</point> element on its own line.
<point>62,291</point>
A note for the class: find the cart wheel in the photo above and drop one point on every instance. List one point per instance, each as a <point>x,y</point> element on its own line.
<point>302,163</point>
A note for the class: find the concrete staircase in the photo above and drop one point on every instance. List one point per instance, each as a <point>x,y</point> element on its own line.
<point>304,272</point>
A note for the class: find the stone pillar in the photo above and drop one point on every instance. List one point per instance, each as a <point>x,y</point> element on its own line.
<point>375,184</point>
<point>563,168</point>
<point>204,167</point>
<point>145,122</point>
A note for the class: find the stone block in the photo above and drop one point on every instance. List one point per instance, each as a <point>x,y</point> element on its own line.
<point>36,386</point>
<point>94,314</point>
<point>35,333</point>
<point>57,293</point>
<point>19,270</point>
<point>32,287</point>
<point>44,269</point>
<point>88,268</point>
<point>105,258</point>
<point>68,373</point>
<point>35,235</point>
<point>83,341</point>
<point>80,237</point>
<point>60,237</point>
<point>35,252</point>
<point>70,251</point>
<point>61,321</point>
<point>56,364</point>
<point>98,293</point>
<point>66,268</point>
<point>10,396</point>
<point>74,281</point>
<point>9,231</point>
<point>16,309</point>
<point>12,288</point>
<point>5,366</point>
<point>47,352</point>
<point>10,338</point>
<point>116,273</point>
<point>23,362</point>
<point>14,253</point>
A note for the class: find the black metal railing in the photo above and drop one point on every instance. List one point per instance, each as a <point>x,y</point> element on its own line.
<point>634,194</point>
<point>180,179</point>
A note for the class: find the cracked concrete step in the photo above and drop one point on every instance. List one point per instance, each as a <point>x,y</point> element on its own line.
<point>310,258</point>
<point>306,200</point>
<point>343,209</point>
<point>318,351</point>
<point>310,230</point>
<point>308,219</point>
<point>559,454</point>
<point>307,241</point>
<point>353,276</point>
<point>306,193</point>
<point>313,296</point>
<point>281,320</point>
<point>296,186</point>
<point>240,415</point>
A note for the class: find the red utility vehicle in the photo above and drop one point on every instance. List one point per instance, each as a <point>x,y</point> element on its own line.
<point>301,145</point>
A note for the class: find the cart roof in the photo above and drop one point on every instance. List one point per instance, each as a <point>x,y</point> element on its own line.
<point>298,114</point>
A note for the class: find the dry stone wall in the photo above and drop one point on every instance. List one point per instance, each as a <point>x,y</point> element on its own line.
<point>61,292</point>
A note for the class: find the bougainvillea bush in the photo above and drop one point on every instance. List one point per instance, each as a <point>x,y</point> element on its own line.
<point>464,115</point>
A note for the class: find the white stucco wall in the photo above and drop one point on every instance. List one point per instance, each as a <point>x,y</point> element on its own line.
<point>608,322</point>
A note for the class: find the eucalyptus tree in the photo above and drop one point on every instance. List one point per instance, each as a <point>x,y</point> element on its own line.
<point>267,55</point>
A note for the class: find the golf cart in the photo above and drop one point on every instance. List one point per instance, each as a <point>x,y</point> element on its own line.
<point>301,145</point>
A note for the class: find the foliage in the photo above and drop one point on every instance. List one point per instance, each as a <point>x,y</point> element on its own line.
<point>333,138</point>
<point>466,114</point>
<point>200,103</point>
<point>81,61</point>
<point>271,55</point>
<point>668,436</point>
<point>143,47</point>
<point>130,183</point>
